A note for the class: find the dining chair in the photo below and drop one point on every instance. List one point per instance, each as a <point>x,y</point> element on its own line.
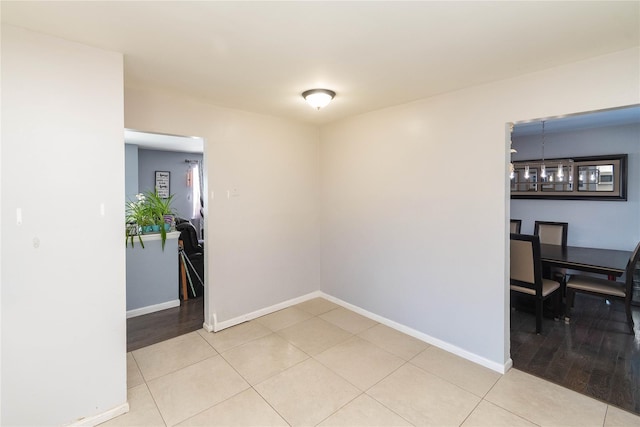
<point>553,233</point>
<point>609,289</point>
<point>515,225</point>
<point>526,274</point>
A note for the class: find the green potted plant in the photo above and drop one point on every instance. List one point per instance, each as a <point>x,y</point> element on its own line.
<point>160,209</point>
<point>148,212</point>
<point>137,218</point>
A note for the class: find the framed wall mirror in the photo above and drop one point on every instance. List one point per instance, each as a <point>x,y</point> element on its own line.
<point>577,178</point>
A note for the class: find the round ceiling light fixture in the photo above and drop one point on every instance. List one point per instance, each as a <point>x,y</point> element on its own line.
<point>318,98</point>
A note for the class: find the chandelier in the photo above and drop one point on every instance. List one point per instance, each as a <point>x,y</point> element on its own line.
<point>545,175</point>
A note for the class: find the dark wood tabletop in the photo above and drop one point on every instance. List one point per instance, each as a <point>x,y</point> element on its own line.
<point>610,262</point>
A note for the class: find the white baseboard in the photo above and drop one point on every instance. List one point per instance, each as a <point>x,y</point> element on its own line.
<point>101,418</point>
<point>152,308</point>
<point>424,337</point>
<point>209,326</point>
<point>508,365</point>
<point>215,326</point>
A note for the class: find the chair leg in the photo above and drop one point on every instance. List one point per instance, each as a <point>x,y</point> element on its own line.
<point>539,315</point>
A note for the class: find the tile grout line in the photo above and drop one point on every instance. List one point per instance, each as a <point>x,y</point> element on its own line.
<point>471,412</point>
<point>444,379</point>
<point>498,406</point>
<point>156,405</point>
<point>180,368</point>
<point>270,405</point>
<point>151,393</point>
<point>218,353</point>
<point>228,329</point>
<point>312,357</point>
<point>214,405</point>
<point>382,379</point>
<point>336,373</point>
<point>252,386</point>
<point>144,381</point>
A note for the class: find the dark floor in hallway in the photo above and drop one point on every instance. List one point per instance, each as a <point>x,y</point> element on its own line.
<point>594,355</point>
<point>162,325</point>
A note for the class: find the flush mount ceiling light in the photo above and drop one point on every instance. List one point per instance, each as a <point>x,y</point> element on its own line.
<point>318,98</point>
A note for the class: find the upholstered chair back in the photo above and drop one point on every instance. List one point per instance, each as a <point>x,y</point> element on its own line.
<point>522,265</point>
<point>551,233</point>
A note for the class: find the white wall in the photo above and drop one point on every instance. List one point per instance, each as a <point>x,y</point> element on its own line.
<point>592,223</point>
<point>1,228</point>
<point>63,276</point>
<point>263,245</point>
<point>415,199</point>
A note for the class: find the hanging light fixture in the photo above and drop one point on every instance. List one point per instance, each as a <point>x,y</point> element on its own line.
<point>318,98</point>
<point>543,168</point>
<point>560,173</point>
<point>571,172</point>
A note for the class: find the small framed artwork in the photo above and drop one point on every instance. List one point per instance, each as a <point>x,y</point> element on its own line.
<point>163,181</point>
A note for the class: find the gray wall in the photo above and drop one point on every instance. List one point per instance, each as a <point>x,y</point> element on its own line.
<point>150,161</point>
<point>130,171</point>
<point>152,272</point>
<point>611,224</point>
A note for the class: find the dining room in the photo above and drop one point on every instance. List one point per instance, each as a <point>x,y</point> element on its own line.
<point>579,174</point>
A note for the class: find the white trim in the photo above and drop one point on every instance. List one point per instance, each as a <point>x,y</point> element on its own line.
<point>101,418</point>
<point>508,365</point>
<point>424,337</point>
<point>152,308</point>
<point>153,236</point>
<point>210,327</point>
<point>218,326</point>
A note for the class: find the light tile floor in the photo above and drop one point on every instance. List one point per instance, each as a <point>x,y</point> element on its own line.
<point>319,364</point>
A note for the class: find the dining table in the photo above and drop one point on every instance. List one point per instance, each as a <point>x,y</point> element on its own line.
<point>609,262</point>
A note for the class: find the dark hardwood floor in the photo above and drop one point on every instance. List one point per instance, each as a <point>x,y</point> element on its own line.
<point>594,355</point>
<point>162,325</point>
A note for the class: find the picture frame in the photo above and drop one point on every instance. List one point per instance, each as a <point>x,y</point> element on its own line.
<point>163,184</point>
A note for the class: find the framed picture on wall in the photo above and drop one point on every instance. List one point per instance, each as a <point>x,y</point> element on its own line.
<point>163,181</point>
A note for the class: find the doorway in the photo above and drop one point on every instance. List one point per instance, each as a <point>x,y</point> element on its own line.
<point>158,315</point>
<point>594,354</point>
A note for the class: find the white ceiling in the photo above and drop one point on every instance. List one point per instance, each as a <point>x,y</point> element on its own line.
<point>259,56</point>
